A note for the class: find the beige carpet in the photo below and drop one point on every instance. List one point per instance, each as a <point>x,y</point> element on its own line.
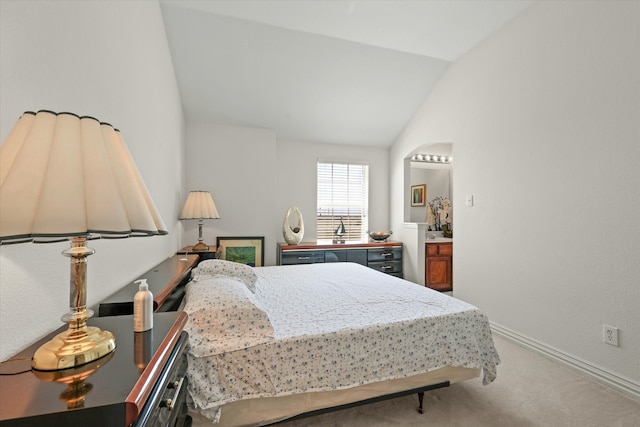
<point>530,391</point>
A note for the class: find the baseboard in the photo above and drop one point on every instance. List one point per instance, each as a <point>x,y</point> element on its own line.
<point>618,383</point>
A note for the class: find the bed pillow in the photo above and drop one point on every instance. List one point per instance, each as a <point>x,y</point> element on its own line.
<point>224,316</point>
<point>218,267</point>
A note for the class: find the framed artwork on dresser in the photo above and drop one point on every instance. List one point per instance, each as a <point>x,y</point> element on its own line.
<point>245,250</point>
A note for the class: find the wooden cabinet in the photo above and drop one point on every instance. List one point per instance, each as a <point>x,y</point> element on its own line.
<point>130,386</point>
<point>438,271</point>
<point>382,256</point>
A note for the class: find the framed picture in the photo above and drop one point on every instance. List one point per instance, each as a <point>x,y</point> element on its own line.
<point>245,250</point>
<point>418,195</point>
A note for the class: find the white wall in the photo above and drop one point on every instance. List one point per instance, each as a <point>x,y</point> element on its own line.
<point>543,117</point>
<point>297,184</point>
<point>254,178</point>
<point>90,58</point>
<point>237,165</point>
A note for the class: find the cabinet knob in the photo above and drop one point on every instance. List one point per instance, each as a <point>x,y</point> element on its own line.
<point>168,403</point>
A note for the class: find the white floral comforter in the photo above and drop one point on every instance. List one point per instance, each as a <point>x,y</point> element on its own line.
<point>336,326</point>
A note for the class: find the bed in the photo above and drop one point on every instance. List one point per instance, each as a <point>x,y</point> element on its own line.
<point>269,343</point>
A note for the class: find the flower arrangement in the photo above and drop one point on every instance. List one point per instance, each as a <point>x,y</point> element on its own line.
<point>439,215</point>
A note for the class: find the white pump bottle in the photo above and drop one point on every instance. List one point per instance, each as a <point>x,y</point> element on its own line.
<point>142,307</point>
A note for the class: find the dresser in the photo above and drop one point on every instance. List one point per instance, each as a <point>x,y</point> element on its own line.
<point>438,266</point>
<point>381,256</point>
<point>141,383</point>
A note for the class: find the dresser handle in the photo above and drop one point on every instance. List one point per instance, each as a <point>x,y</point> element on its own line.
<point>304,257</point>
<point>387,267</point>
<point>387,254</point>
<point>168,403</point>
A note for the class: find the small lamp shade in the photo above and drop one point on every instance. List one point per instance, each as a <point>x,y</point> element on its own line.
<point>200,206</point>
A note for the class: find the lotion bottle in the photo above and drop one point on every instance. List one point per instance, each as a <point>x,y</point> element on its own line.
<point>142,307</point>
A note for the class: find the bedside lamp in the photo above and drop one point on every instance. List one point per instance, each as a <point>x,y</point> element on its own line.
<point>62,177</point>
<point>200,206</point>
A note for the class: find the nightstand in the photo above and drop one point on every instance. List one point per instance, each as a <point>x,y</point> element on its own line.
<point>209,254</point>
<point>166,282</point>
<point>132,385</point>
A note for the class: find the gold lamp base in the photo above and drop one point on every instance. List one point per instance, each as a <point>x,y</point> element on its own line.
<point>199,247</point>
<point>80,344</point>
<point>73,348</point>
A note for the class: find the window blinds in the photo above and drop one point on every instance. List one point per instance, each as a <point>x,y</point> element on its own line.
<point>343,194</point>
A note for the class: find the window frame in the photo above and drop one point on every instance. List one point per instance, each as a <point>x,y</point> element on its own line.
<point>349,201</point>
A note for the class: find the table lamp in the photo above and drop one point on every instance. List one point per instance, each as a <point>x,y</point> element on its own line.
<point>200,206</point>
<point>67,177</point>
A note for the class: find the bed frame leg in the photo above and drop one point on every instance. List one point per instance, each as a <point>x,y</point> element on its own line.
<point>420,400</point>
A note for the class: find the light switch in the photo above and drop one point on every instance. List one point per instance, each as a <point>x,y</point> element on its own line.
<point>469,200</point>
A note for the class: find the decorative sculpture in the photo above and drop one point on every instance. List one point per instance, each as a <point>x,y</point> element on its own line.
<point>293,235</point>
<point>339,233</point>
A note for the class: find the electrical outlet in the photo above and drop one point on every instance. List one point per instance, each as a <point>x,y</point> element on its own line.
<point>610,335</point>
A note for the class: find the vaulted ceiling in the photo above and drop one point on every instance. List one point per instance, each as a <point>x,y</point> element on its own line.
<point>344,72</point>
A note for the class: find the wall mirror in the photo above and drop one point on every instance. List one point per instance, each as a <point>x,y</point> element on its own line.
<point>437,177</point>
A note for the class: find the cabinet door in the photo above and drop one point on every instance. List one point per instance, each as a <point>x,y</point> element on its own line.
<point>438,273</point>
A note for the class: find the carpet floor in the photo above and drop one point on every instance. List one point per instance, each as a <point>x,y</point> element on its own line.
<point>530,390</point>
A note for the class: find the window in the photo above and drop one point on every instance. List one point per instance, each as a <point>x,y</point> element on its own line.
<point>343,194</point>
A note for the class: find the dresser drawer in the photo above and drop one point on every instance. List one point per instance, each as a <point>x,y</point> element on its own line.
<point>357,255</point>
<point>337,255</point>
<point>302,257</point>
<point>167,402</point>
<point>384,254</point>
<point>387,266</point>
<point>445,249</point>
<point>434,249</point>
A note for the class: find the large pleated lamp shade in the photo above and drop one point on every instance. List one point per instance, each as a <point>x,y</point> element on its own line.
<point>200,206</point>
<point>67,177</point>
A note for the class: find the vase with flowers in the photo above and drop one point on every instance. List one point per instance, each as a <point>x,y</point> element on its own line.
<point>439,216</point>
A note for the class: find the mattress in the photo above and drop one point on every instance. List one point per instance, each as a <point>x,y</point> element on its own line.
<point>300,329</point>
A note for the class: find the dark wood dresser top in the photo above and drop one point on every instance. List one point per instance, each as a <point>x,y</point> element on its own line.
<point>117,389</point>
